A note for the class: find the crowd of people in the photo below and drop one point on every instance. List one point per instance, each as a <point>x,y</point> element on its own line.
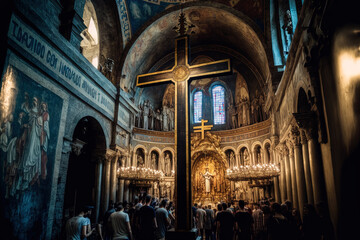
<point>266,220</point>
<point>148,218</point>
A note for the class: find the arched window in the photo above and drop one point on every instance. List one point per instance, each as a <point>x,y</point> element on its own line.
<point>218,95</point>
<point>198,106</point>
<point>90,43</point>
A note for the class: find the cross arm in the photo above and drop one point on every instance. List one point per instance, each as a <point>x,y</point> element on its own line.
<point>156,77</point>
<point>211,68</point>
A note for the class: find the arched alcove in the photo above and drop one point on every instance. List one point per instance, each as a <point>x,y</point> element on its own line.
<point>88,146</point>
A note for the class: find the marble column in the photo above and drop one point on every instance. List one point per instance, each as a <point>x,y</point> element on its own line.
<point>98,175</point>
<point>307,173</point>
<point>293,177</point>
<point>299,169</point>
<point>113,181</point>
<point>120,192</point>
<point>126,190</point>
<point>276,181</point>
<point>106,193</point>
<point>283,194</point>
<point>237,157</point>
<point>316,167</point>
<point>287,174</point>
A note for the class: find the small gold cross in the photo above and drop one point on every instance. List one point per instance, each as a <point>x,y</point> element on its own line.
<point>202,128</point>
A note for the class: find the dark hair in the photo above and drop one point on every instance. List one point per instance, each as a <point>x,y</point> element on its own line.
<point>276,207</point>
<point>147,198</point>
<point>241,203</point>
<point>119,207</point>
<point>163,203</point>
<point>224,206</point>
<point>86,208</point>
<point>195,205</point>
<point>219,207</point>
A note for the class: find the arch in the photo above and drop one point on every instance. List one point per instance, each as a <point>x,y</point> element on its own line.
<point>150,162</point>
<point>167,149</point>
<point>89,137</point>
<point>241,146</point>
<point>266,141</point>
<point>302,101</point>
<point>229,148</point>
<point>157,31</point>
<point>82,114</point>
<point>110,36</point>
<point>254,144</point>
<point>90,47</point>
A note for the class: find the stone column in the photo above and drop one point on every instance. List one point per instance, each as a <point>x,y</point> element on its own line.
<point>316,166</point>
<point>120,192</point>
<point>306,163</point>
<point>299,169</point>
<point>282,177</point>
<point>275,179</point>
<point>126,190</point>
<point>293,176</point>
<point>113,181</point>
<point>106,193</point>
<point>237,157</point>
<point>287,174</point>
<point>98,176</point>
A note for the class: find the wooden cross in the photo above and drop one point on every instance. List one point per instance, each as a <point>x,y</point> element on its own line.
<point>180,74</point>
<point>202,128</point>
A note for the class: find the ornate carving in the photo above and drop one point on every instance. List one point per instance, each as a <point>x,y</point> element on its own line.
<point>76,146</point>
<point>303,137</point>
<point>109,155</point>
<point>294,135</point>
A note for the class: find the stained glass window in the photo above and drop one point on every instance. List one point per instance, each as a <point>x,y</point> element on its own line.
<point>197,106</point>
<point>218,94</point>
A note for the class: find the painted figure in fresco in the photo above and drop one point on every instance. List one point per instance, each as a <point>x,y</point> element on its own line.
<point>172,117</point>
<point>30,166</point>
<point>150,118</point>
<point>261,108</point>
<point>157,122</point>
<point>239,113</point>
<point>44,138</point>
<point>245,113</point>
<point>231,159</point>
<point>141,116</point>
<point>207,177</point>
<point>146,114</point>
<point>246,157</point>
<point>167,161</point>
<point>165,119</point>
<point>140,161</point>
<point>153,161</point>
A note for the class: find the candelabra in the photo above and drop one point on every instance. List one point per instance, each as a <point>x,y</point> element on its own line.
<point>139,173</point>
<point>258,175</point>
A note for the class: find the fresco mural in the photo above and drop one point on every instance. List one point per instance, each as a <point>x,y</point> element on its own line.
<point>135,13</point>
<point>29,129</point>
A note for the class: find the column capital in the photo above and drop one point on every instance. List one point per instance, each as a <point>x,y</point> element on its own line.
<point>294,135</point>
<point>110,155</point>
<point>307,122</point>
<point>303,137</point>
<point>282,149</point>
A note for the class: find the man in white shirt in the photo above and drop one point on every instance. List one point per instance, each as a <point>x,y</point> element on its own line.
<point>76,227</point>
<point>120,224</point>
<point>200,218</point>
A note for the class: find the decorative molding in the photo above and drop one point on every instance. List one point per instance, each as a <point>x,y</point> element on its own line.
<point>76,146</point>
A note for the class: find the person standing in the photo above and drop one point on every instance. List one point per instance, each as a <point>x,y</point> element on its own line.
<point>147,221</point>
<point>225,224</point>
<point>107,229</point>
<point>243,221</point>
<point>76,227</point>
<point>120,224</point>
<point>200,219</point>
<point>258,218</point>
<point>209,220</point>
<point>162,220</point>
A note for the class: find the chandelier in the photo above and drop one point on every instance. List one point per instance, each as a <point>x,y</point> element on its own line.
<point>258,175</point>
<point>139,173</point>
